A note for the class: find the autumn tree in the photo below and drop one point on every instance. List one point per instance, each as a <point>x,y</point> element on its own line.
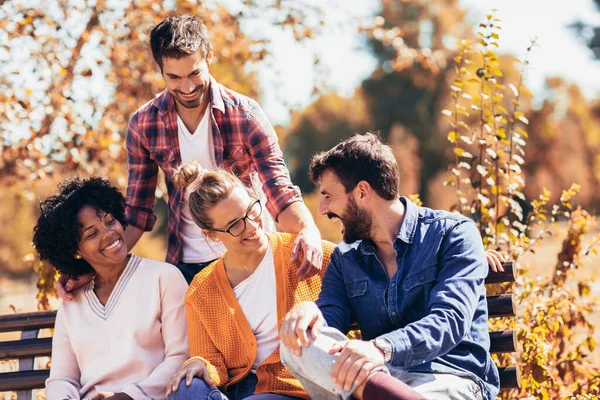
<point>565,144</point>
<point>74,72</point>
<point>322,125</point>
<point>412,43</point>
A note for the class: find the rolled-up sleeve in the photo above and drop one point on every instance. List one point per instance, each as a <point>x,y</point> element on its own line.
<point>141,185</point>
<point>453,301</point>
<point>268,161</point>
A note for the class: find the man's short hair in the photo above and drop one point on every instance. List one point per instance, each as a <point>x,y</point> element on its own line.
<point>360,158</point>
<point>179,36</point>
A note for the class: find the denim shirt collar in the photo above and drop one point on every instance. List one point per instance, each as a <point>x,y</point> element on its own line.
<point>407,229</point>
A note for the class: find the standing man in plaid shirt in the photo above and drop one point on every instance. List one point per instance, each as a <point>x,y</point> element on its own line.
<point>198,119</point>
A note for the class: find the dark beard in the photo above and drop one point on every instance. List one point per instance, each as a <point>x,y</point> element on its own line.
<point>190,103</point>
<point>357,223</point>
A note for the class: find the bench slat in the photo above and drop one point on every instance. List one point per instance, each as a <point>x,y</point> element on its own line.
<point>25,348</point>
<point>502,305</point>
<point>503,341</point>
<point>27,322</point>
<point>23,380</point>
<point>27,380</point>
<point>509,378</point>
<point>501,277</point>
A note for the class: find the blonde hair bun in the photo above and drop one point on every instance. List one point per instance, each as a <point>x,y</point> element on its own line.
<point>204,189</point>
<point>185,174</point>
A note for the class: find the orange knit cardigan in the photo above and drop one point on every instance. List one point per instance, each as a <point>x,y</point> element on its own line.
<point>219,333</point>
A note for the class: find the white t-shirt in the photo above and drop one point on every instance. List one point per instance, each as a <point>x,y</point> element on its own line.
<point>197,147</point>
<point>257,296</point>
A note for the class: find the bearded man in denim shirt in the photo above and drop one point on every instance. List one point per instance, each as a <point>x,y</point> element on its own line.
<point>410,276</point>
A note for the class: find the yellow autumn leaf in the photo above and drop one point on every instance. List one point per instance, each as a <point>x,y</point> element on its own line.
<point>453,137</point>
<point>591,343</point>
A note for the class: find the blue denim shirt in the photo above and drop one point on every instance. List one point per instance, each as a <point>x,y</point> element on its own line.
<point>433,310</point>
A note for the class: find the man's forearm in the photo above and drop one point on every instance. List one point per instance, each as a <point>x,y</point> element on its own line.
<point>132,235</point>
<point>295,218</point>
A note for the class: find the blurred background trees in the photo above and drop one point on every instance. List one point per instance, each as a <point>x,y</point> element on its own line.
<point>72,73</point>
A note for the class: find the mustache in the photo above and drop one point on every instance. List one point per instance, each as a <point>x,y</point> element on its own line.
<point>331,215</point>
<point>196,90</point>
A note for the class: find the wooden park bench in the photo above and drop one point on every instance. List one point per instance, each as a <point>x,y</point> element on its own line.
<point>30,346</point>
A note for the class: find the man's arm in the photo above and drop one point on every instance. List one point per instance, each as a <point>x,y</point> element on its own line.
<point>141,184</point>
<point>132,236</point>
<point>297,219</point>
<point>284,200</point>
<point>331,309</point>
<point>452,303</point>
<point>139,204</point>
<point>333,301</point>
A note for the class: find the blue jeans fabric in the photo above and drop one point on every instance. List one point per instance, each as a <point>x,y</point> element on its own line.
<point>189,270</point>
<point>433,310</point>
<point>199,390</point>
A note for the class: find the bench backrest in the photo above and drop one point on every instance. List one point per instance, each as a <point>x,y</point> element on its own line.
<point>30,346</point>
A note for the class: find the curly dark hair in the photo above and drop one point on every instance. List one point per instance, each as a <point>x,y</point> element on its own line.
<point>56,234</point>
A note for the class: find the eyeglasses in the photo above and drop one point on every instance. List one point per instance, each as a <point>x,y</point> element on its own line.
<point>237,227</point>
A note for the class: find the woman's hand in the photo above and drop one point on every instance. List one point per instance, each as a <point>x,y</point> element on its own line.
<point>495,260</point>
<point>188,371</point>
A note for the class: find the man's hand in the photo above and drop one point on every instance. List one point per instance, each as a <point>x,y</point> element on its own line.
<point>295,324</point>
<point>188,371</point>
<point>65,285</point>
<point>356,359</point>
<point>110,396</point>
<point>495,260</point>
<point>309,242</point>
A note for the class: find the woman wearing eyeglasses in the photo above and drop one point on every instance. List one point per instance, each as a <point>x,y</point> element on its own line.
<point>234,305</point>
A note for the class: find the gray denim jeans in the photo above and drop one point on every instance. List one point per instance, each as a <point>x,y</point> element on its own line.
<point>313,370</point>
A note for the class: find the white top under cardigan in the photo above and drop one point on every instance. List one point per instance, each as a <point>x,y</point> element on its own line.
<point>133,344</point>
<point>257,296</point>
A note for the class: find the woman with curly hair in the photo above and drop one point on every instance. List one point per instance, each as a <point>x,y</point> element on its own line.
<point>124,334</point>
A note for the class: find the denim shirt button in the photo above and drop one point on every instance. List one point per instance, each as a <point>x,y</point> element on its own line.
<point>421,277</point>
<point>393,284</point>
<point>394,313</point>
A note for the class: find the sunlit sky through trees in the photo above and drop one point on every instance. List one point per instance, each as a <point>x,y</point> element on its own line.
<point>288,75</point>
<point>342,50</point>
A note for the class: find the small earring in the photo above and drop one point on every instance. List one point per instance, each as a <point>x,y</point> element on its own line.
<point>78,256</point>
<point>217,240</point>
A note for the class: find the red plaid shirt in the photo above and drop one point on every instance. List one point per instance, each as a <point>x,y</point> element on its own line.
<point>244,143</point>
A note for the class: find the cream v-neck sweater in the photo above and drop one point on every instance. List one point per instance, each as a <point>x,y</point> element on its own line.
<point>132,344</point>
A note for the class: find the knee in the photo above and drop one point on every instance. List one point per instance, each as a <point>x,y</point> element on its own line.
<point>198,389</point>
<point>305,364</point>
<point>288,359</point>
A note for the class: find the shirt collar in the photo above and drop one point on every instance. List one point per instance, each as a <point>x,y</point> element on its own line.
<point>407,229</point>
<point>165,102</point>
<point>409,224</point>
